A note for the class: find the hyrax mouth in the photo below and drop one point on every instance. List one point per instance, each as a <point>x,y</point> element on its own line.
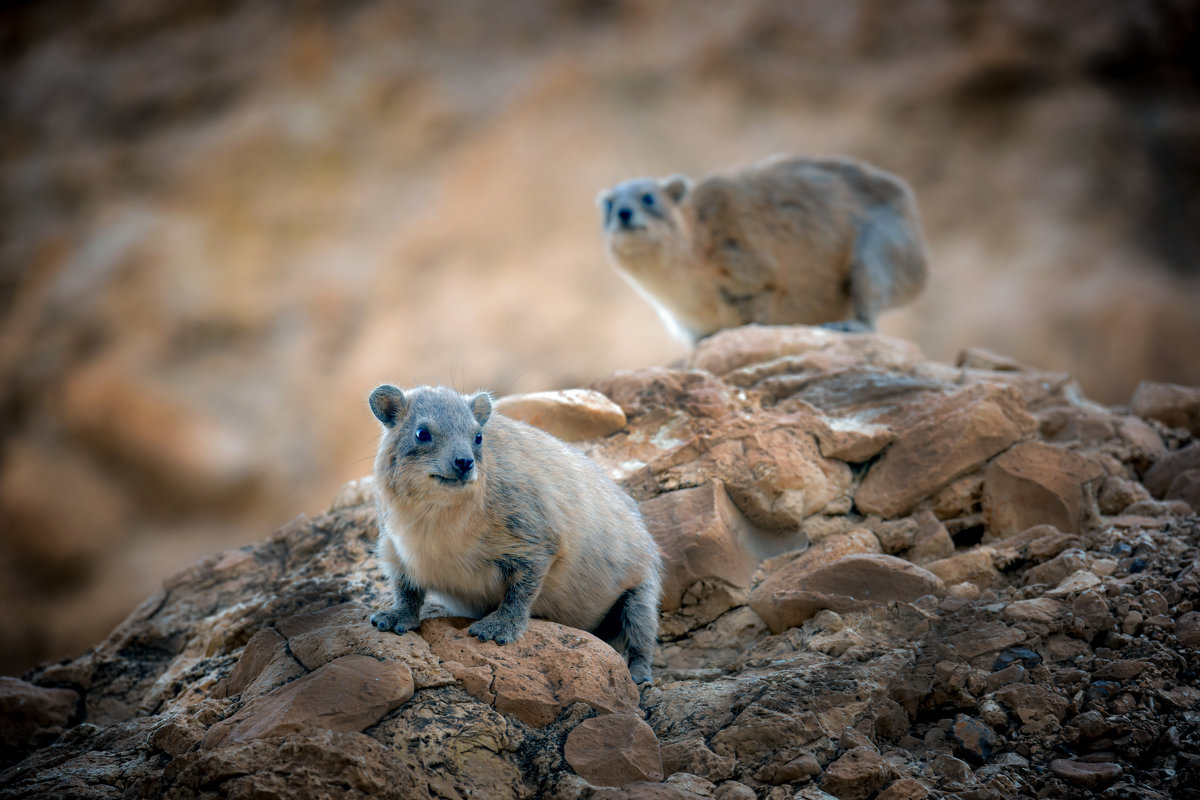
<point>457,482</point>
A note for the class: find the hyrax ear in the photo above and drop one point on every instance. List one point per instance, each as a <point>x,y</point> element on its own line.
<point>388,404</point>
<point>604,203</point>
<point>481,407</point>
<point>676,186</point>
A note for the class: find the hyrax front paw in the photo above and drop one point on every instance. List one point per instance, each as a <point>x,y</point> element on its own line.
<point>501,630</point>
<point>393,620</point>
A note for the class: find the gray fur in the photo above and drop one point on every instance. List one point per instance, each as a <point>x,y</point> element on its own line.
<point>533,527</point>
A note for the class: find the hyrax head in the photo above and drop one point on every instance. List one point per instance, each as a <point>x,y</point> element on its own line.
<point>432,438</point>
<point>640,207</point>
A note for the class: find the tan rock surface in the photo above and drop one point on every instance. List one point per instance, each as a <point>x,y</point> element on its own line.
<point>572,415</point>
<point>614,750</point>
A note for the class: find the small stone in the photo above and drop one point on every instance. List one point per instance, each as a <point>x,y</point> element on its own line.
<point>1075,583</point>
<point>973,740</point>
<point>1173,405</point>
<point>614,750</point>
<point>800,768</point>
<point>1187,629</point>
<point>1017,655</point>
<point>1036,483</point>
<point>904,789</point>
<point>1031,703</point>
<point>1088,775</point>
<point>1116,494</point>
<point>1159,478</point>
<point>950,768</point>
<point>856,775</point>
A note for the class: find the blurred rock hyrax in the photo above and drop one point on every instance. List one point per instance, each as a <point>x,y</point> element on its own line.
<point>502,521</point>
<point>788,240</point>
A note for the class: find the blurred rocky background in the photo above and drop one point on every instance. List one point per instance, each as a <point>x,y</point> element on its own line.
<point>222,223</point>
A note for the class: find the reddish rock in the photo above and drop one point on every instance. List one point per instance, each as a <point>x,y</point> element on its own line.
<point>694,757</point>
<point>694,392</point>
<point>702,535</point>
<point>1116,494</point>
<point>849,439</point>
<point>1034,484</point>
<point>856,775</point>
<point>904,789</point>
<point>976,566</point>
<point>1089,775</point>
<point>350,693</point>
<point>1173,405</point>
<point>793,595</point>
<point>614,750</point>
<point>1031,703</point>
<point>1187,629</point>
<point>30,713</point>
<point>965,431</point>
<point>1076,424</point>
<point>572,415</point>
<point>262,648</point>
<point>534,678</point>
<point>1186,488</point>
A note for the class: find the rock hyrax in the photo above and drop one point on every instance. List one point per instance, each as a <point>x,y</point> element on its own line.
<point>788,240</point>
<point>502,521</point>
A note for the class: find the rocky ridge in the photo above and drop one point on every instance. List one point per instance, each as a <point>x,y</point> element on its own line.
<point>887,577</point>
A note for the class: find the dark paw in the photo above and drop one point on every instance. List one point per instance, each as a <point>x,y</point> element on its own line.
<point>640,672</point>
<point>498,630</point>
<point>393,621</point>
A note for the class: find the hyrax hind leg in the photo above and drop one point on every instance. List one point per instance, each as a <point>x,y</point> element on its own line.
<point>888,267</point>
<point>639,628</point>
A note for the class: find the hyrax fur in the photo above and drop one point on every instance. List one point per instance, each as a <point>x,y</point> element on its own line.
<point>502,521</point>
<point>788,240</point>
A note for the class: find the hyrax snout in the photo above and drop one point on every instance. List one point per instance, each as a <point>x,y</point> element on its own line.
<point>504,521</point>
<point>788,240</point>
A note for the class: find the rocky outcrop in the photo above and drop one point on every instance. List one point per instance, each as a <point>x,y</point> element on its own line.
<point>886,577</point>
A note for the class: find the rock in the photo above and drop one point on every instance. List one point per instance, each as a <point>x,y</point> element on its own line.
<point>1053,571</point>
<point>1089,775</point>
<point>350,693</point>
<point>1186,488</point>
<point>976,566</point>
<point>1076,424</point>
<point>856,774</point>
<point>949,768</point>
<point>793,770</point>
<point>732,349</point>
<point>614,750</point>
<point>534,678</point>
<point>694,757</point>
<point>702,535</point>
<point>694,392</point>
<point>1090,616</point>
<point>1075,583</point>
<point>1173,405</point>
<point>1031,703</point>
<point>1160,477</point>
<point>31,714</point>
<point>1117,494</point>
<point>1035,484</point>
<point>973,740</point>
<point>903,789</point>
<point>573,415</point>
<point>789,597</point>
<point>1040,610</point>
<point>1187,630</point>
<point>969,428</point>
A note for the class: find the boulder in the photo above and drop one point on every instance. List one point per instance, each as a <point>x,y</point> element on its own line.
<point>614,750</point>
<point>1036,484</point>
<point>965,431</point>
<point>1173,405</point>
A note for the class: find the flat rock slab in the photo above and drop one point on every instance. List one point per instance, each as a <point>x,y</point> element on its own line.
<point>573,415</point>
<point>534,678</point>
<point>614,750</point>
<point>350,693</point>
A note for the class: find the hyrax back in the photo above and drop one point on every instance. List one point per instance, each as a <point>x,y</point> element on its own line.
<point>789,240</point>
<point>503,520</point>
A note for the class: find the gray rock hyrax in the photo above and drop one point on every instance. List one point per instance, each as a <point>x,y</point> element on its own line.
<point>788,240</point>
<point>502,521</point>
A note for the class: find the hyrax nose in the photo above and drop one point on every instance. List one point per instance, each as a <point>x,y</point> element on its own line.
<point>625,214</point>
<point>463,465</point>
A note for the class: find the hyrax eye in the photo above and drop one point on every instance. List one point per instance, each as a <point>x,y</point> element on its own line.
<point>647,199</point>
<point>423,435</point>
<point>479,438</point>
